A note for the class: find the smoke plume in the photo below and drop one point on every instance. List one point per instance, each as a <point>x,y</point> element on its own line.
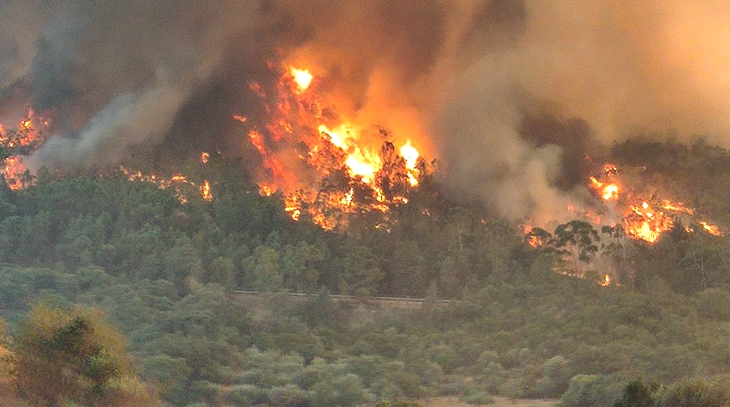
<point>509,95</point>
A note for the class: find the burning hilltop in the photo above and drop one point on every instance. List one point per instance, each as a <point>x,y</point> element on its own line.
<point>327,94</point>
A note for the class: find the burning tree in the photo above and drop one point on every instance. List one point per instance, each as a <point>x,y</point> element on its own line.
<point>15,144</point>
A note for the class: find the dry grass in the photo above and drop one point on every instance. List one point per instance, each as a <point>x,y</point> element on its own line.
<point>498,402</point>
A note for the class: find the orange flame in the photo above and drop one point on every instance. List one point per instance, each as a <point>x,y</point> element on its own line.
<point>608,192</point>
<point>410,154</point>
<point>645,223</point>
<point>177,182</point>
<point>205,191</point>
<point>711,229</point>
<point>645,220</point>
<point>327,144</point>
<point>27,138</point>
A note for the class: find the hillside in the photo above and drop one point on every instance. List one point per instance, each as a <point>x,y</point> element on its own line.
<point>164,271</point>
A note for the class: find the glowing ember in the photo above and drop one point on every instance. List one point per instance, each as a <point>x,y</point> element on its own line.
<point>347,199</point>
<point>302,78</point>
<point>178,182</point>
<point>676,207</point>
<point>265,190</point>
<point>711,229</point>
<point>606,280</point>
<point>205,191</point>
<point>535,237</point>
<point>204,157</point>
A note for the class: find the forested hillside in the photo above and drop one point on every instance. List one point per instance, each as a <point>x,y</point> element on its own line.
<point>164,270</point>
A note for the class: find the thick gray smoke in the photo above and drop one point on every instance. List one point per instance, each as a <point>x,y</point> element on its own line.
<point>509,94</point>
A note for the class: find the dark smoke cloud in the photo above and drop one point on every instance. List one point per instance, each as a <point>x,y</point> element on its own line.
<point>115,74</point>
<point>509,94</point>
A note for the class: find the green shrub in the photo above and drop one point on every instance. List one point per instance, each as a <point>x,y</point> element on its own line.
<point>288,396</point>
<point>245,395</point>
<point>477,398</point>
<point>695,392</point>
<point>592,390</point>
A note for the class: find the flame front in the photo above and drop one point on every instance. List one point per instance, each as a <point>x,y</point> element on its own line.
<point>646,223</point>
<point>643,219</point>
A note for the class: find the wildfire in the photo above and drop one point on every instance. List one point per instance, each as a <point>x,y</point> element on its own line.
<point>606,280</point>
<point>306,147</point>
<point>608,192</point>
<point>205,191</point>
<point>360,163</point>
<point>643,219</point>
<point>535,237</point>
<point>302,78</point>
<point>293,206</point>
<point>711,229</point>
<point>177,181</point>
<point>18,144</point>
<point>410,154</point>
<point>646,223</point>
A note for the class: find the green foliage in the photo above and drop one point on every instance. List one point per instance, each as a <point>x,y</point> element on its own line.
<point>556,374</point>
<point>168,374</point>
<point>714,304</point>
<point>245,395</point>
<point>694,392</point>
<point>477,398</point>
<point>397,403</point>
<point>70,355</point>
<point>166,274</point>
<point>578,240</point>
<point>637,394</point>
<point>592,390</point>
<point>263,266</point>
<point>345,391</point>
